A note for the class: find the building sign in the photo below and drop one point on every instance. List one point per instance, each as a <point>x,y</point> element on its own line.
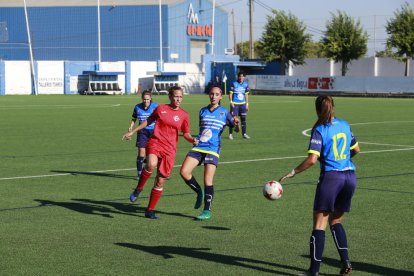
<point>193,27</point>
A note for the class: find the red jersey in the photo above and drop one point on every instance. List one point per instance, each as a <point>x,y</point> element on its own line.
<point>168,123</point>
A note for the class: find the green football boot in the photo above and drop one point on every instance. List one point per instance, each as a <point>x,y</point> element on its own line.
<point>205,215</point>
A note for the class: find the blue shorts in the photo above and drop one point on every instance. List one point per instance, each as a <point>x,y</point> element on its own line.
<point>334,191</point>
<point>238,110</point>
<point>142,138</point>
<point>204,158</point>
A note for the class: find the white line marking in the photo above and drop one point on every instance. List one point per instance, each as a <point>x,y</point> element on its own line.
<point>305,133</point>
<point>176,166</point>
<point>60,106</point>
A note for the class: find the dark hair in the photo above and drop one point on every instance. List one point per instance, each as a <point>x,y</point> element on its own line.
<point>241,73</point>
<point>146,92</point>
<point>174,88</point>
<point>216,86</point>
<point>325,109</point>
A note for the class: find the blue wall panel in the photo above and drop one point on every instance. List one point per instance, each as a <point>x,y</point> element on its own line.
<point>127,32</point>
<point>2,79</point>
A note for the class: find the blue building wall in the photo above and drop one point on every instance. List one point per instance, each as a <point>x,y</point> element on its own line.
<point>71,33</point>
<point>2,79</point>
<point>178,22</point>
<point>127,32</point>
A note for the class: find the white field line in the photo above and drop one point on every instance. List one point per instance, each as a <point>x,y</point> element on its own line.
<point>176,166</point>
<point>306,133</point>
<point>60,106</point>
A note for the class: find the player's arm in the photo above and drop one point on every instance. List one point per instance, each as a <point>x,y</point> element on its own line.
<point>232,121</point>
<point>306,164</point>
<point>128,135</point>
<point>247,101</point>
<point>133,119</point>
<point>231,97</point>
<point>354,146</point>
<point>131,125</point>
<point>193,140</point>
<point>355,150</point>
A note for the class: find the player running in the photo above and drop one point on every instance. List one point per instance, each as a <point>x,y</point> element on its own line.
<point>333,143</point>
<point>141,113</point>
<point>239,103</point>
<point>162,146</point>
<point>212,120</point>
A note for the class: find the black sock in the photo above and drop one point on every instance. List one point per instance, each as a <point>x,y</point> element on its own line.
<point>230,130</point>
<point>243,124</point>
<point>140,162</point>
<point>208,197</point>
<point>193,184</point>
<point>339,236</point>
<point>317,244</point>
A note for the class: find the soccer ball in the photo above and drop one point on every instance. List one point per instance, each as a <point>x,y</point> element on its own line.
<point>272,190</point>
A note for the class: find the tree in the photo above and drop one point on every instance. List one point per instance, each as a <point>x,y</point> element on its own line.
<point>401,35</point>
<point>344,40</point>
<point>283,40</point>
<point>314,50</point>
<point>243,49</point>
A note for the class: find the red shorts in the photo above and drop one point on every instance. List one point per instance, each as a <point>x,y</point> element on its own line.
<point>166,158</point>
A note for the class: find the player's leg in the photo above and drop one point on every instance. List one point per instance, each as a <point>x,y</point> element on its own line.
<point>155,196</point>
<point>317,241</point>
<point>142,141</point>
<point>191,161</point>
<point>165,165</point>
<point>343,204</point>
<point>340,240</point>
<point>146,173</point>
<point>140,160</point>
<point>234,112</point>
<point>209,172</point>
<point>243,114</point>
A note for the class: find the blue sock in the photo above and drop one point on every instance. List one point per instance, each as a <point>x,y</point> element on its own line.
<point>317,244</point>
<point>140,162</point>
<point>339,236</point>
<point>193,184</point>
<point>208,197</point>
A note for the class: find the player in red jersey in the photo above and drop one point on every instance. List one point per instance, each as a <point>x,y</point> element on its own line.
<point>162,146</point>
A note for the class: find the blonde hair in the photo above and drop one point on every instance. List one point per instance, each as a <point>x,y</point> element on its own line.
<point>325,109</point>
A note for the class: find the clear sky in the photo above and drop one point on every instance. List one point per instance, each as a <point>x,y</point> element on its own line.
<point>373,15</point>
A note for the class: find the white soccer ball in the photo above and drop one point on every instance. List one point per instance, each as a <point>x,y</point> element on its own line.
<point>272,190</point>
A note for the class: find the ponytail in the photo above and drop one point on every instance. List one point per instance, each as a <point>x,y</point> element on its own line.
<point>325,110</point>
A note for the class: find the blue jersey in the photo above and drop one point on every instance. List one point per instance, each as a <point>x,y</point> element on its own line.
<point>212,124</point>
<point>239,91</point>
<point>333,143</point>
<point>141,114</point>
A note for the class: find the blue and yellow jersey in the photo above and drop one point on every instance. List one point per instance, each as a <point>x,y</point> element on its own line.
<point>141,114</point>
<point>333,143</point>
<point>238,92</point>
<point>212,124</point>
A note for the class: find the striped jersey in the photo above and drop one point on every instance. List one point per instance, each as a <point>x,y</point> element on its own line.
<point>333,143</point>
<point>212,124</point>
<point>238,92</point>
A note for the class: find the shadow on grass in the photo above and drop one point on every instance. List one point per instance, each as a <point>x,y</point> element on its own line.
<point>366,267</point>
<point>91,173</point>
<point>85,208</point>
<point>103,208</point>
<point>126,207</point>
<point>168,252</point>
<point>218,228</point>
